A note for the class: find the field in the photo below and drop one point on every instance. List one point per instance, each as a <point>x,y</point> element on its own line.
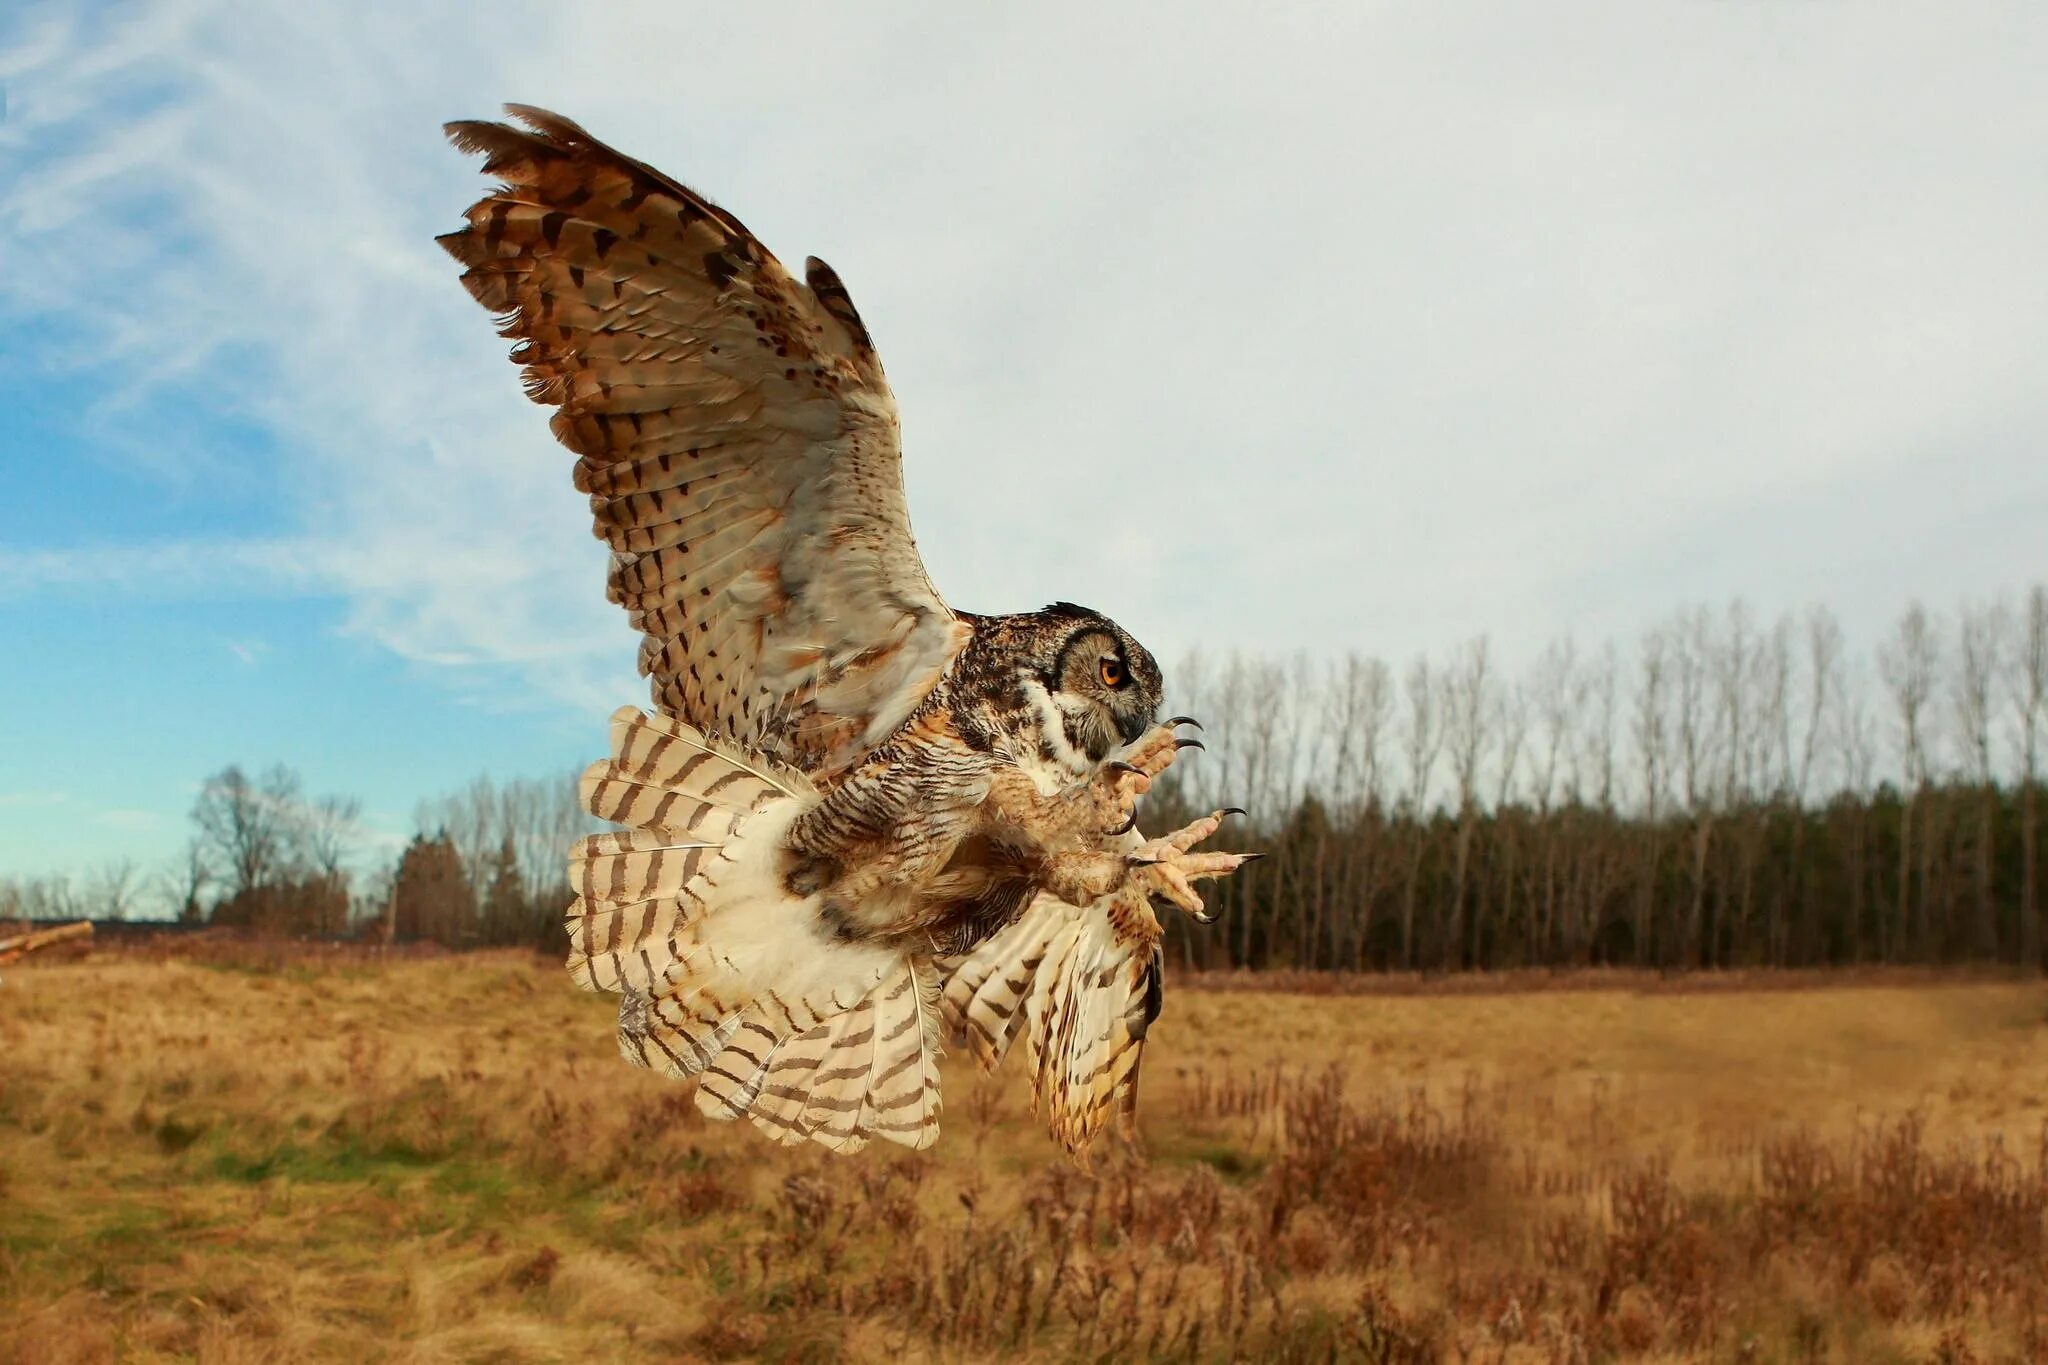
<point>271,1156</point>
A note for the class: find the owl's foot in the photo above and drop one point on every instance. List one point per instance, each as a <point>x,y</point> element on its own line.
<point>1131,776</point>
<point>1081,878</point>
<point>1167,867</point>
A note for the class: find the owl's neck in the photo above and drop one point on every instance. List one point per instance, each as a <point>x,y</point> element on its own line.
<point>1043,746</point>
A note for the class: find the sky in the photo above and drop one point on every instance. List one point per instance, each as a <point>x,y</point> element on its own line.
<point>1315,328</point>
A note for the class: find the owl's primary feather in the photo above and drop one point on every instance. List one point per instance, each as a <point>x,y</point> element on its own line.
<point>1079,987</point>
<point>737,439</point>
<point>858,820</point>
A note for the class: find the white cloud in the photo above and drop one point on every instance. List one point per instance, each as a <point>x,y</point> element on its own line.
<point>1325,327</point>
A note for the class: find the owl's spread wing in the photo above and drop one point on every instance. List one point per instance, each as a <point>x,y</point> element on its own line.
<point>737,439</point>
<point>1080,987</point>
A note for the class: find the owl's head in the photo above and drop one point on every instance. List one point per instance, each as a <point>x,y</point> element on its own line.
<point>1086,687</point>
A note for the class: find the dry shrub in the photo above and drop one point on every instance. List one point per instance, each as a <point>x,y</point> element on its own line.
<point>1954,1348</point>
<point>538,1272</point>
<point>1385,1177</point>
<point>1638,1321</point>
<point>1310,1243</point>
<point>1958,1225</point>
<point>699,1194</point>
<point>732,1336</point>
<point>1888,1288</point>
<point>1385,1335</point>
<point>1661,1245</point>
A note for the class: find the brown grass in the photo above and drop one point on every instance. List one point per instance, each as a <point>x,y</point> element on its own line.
<point>275,1156</point>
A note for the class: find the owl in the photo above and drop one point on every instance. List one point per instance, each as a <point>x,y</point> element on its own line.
<point>858,824</point>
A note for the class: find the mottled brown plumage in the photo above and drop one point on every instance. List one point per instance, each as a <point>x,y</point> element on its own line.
<point>858,821</point>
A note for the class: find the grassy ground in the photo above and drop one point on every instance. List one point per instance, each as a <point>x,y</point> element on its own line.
<point>262,1157</point>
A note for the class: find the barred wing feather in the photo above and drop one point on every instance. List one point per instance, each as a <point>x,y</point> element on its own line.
<point>1080,987</point>
<point>736,436</point>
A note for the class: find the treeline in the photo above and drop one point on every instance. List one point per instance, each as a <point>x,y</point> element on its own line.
<point>486,866</point>
<point>1726,793</point>
<point>1723,792</point>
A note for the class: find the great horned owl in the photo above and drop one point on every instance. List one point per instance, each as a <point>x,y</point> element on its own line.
<point>858,820</point>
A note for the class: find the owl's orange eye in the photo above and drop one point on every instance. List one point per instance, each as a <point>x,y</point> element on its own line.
<point>1112,671</point>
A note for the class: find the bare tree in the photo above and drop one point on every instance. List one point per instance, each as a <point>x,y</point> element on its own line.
<point>1978,632</point>
<point>1357,706</point>
<point>1823,682</point>
<point>1855,735</point>
<point>182,886</point>
<point>1421,741</point>
<point>40,898</point>
<point>247,826</point>
<point>1907,663</point>
<point>330,829</point>
<point>1593,762</point>
<point>2026,679</point>
<point>1553,694</point>
<point>1650,723</point>
<point>1510,709</point>
<point>1468,685</point>
<point>1692,656</point>
<point>111,889</point>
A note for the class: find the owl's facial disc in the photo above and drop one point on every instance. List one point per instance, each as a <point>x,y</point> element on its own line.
<point>1106,689</point>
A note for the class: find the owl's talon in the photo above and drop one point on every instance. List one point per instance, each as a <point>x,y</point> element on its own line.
<point>1179,744</point>
<point>1183,720</point>
<point>1154,751</point>
<point>1168,868</point>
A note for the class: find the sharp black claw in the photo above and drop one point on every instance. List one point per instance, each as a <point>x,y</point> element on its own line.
<point>1185,720</point>
<point>1143,862</point>
<point>1117,765</point>
<point>1233,810</point>
<point>1179,743</point>
<point>1125,828</point>
<point>1205,918</point>
<point>1250,857</point>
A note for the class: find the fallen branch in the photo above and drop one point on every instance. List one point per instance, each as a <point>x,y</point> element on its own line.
<point>12,949</point>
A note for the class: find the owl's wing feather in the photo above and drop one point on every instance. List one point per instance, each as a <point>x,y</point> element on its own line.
<point>1081,988</point>
<point>736,437</point>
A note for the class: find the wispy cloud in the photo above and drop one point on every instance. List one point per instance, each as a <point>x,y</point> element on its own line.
<point>20,800</point>
<point>129,820</point>
<point>240,568</point>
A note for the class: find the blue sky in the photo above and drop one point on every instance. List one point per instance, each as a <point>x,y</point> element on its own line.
<point>1285,328</point>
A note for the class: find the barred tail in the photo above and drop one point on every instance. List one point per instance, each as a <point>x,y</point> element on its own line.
<point>721,972</point>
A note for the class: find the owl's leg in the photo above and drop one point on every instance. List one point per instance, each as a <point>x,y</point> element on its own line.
<point>1168,867</point>
<point>1080,878</point>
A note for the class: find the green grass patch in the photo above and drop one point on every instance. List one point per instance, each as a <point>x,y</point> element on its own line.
<point>343,1163</point>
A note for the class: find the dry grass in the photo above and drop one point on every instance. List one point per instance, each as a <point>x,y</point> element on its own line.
<point>263,1156</point>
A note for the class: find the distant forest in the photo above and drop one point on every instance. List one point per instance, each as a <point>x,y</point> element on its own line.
<point>1725,792</point>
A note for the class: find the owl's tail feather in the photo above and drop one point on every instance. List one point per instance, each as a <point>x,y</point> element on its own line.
<point>870,1071</point>
<point>685,797</point>
<point>722,972</point>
